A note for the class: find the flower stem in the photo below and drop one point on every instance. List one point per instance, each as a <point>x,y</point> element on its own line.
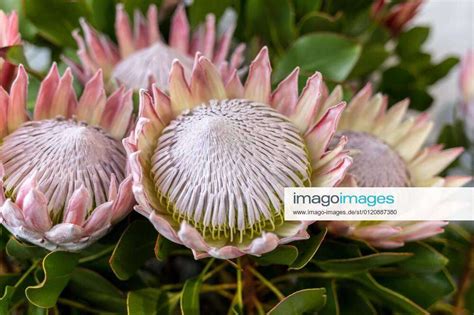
<point>100,254</point>
<point>466,281</point>
<point>27,273</point>
<point>240,302</point>
<point>267,283</point>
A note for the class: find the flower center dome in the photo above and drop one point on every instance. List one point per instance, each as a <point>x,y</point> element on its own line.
<point>135,70</point>
<point>64,154</point>
<point>222,167</point>
<point>375,163</point>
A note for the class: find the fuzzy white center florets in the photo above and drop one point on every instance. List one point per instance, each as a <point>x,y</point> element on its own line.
<point>64,154</point>
<point>222,167</point>
<point>375,163</point>
<point>153,63</point>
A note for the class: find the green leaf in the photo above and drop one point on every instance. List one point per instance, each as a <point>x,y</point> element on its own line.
<point>142,5</point>
<point>163,247</point>
<point>409,42</point>
<point>390,298</point>
<point>148,301</point>
<point>307,300</point>
<point>282,255</point>
<point>200,8</point>
<point>307,249</point>
<point>190,296</point>
<point>453,135</point>
<point>318,22</point>
<point>96,290</point>
<point>6,298</point>
<point>303,7</point>
<point>332,304</point>
<point>272,20</point>
<point>23,251</point>
<point>414,286</point>
<point>355,302</point>
<point>363,263</point>
<point>58,267</point>
<point>371,58</point>
<point>440,70</point>
<point>425,258</point>
<point>331,54</point>
<point>56,20</point>
<point>135,246</point>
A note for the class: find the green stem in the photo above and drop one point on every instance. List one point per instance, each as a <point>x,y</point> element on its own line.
<point>78,306</point>
<point>96,256</point>
<point>206,268</point>
<point>27,273</point>
<point>267,283</point>
<point>240,302</point>
<point>211,273</point>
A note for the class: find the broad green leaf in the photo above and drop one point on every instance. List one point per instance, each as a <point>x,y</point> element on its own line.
<point>355,302</point>
<point>282,255</point>
<point>201,8</point>
<point>102,14</point>
<point>422,288</point>
<point>307,300</point>
<point>6,298</point>
<point>58,267</point>
<point>331,54</point>
<point>148,301</point>
<point>163,247</point>
<point>303,7</point>
<point>56,20</point>
<point>318,22</point>
<point>307,249</point>
<point>142,5</point>
<point>363,263</point>
<point>190,296</point>
<point>391,299</point>
<point>425,258</point>
<point>371,58</point>
<point>96,290</point>
<point>440,70</point>
<point>133,249</point>
<point>272,20</point>
<point>23,251</point>
<point>453,135</point>
<point>409,42</point>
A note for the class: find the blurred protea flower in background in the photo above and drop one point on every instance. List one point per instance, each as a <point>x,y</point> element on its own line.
<point>64,179</point>
<point>142,56</point>
<point>466,80</point>
<point>387,148</point>
<point>396,17</point>
<point>210,160</point>
<point>9,36</point>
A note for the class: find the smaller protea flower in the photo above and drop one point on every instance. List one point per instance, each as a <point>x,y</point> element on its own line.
<point>143,57</point>
<point>63,172</point>
<point>9,36</point>
<point>210,162</point>
<point>466,79</point>
<point>387,150</point>
<point>397,16</point>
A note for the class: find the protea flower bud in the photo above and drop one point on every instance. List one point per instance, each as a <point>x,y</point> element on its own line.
<point>143,57</point>
<point>210,160</point>
<point>64,179</point>
<point>397,16</point>
<point>387,150</point>
<point>9,36</point>
<point>466,80</point>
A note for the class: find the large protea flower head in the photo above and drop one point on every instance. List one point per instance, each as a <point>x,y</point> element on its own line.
<point>388,150</point>
<point>9,36</point>
<point>63,171</point>
<point>210,160</point>
<point>143,57</point>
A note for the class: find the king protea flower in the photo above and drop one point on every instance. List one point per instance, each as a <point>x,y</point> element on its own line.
<point>143,57</point>
<point>64,180</point>
<point>210,160</point>
<point>387,150</point>
<point>9,36</point>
